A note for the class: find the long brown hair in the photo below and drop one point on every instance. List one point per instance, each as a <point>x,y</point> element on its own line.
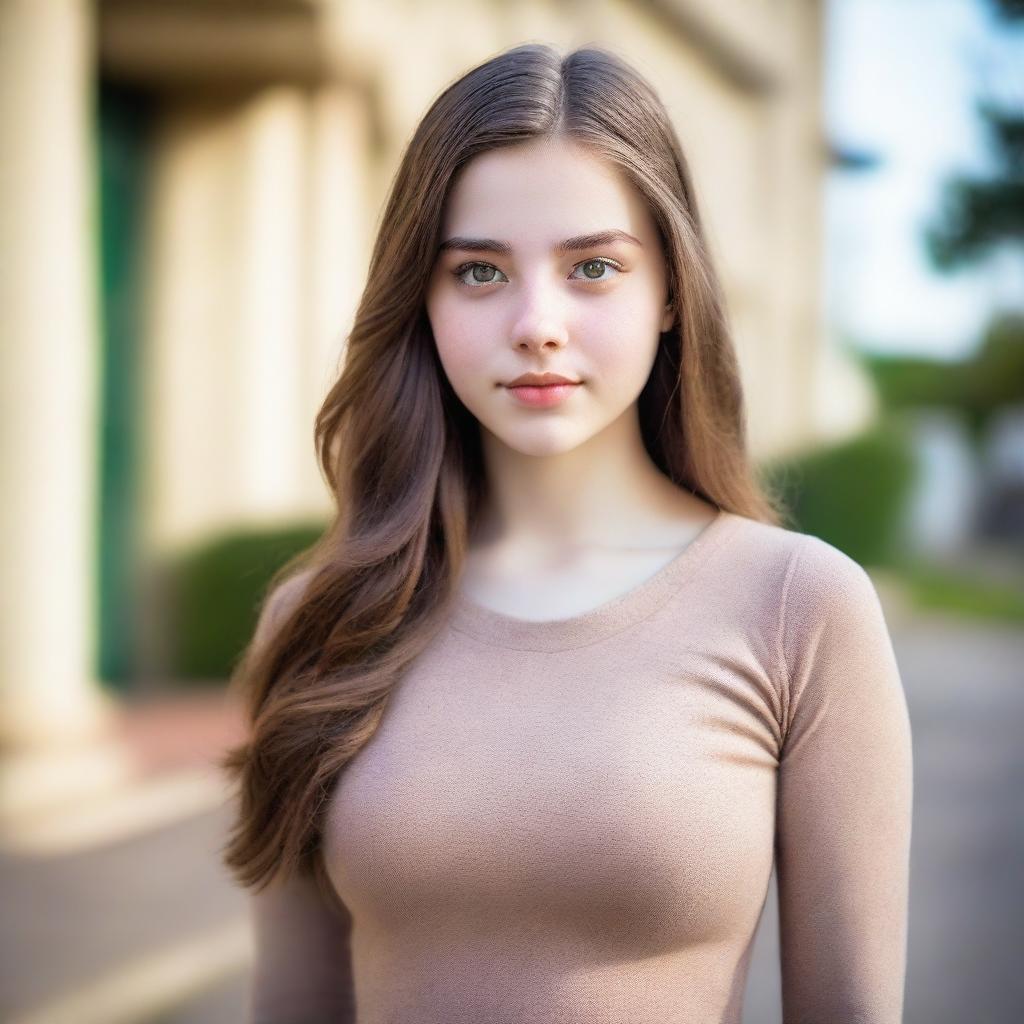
<point>402,455</point>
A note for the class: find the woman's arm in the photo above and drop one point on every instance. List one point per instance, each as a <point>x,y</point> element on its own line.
<point>844,800</point>
<point>302,972</point>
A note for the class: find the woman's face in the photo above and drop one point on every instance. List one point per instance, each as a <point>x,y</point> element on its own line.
<point>503,300</point>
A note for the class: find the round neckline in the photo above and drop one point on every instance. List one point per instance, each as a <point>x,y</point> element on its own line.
<point>501,630</point>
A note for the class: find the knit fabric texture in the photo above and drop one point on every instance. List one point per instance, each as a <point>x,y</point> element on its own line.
<point>575,821</point>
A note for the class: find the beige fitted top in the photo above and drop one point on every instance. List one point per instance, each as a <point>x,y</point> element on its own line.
<point>574,821</point>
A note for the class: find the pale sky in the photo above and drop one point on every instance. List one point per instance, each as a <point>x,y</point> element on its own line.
<point>901,77</point>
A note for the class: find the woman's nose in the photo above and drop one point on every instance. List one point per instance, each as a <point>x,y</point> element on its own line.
<point>539,318</point>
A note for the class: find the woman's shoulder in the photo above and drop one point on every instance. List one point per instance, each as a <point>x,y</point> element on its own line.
<point>288,593</point>
<point>823,593</point>
<point>822,605</point>
<point>797,578</point>
<point>803,558</point>
<point>281,600</point>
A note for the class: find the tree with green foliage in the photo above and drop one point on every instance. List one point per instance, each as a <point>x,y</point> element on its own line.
<point>977,215</point>
<point>980,213</point>
<point>992,377</point>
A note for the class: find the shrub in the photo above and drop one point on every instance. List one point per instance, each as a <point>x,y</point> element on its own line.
<point>217,589</point>
<point>851,494</point>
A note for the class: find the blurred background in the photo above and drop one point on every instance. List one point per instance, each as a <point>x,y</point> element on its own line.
<point>188,193</point>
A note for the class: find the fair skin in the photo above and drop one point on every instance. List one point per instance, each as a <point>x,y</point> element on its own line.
<point>578,512</point>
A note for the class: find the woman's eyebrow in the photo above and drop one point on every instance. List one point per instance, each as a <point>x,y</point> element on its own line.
<point>578,243</point>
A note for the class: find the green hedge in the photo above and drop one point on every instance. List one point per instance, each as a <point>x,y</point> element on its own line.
<point>217,589</point>
<point>852,494</point>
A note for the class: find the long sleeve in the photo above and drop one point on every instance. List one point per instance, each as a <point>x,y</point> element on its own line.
<point>844,798</point>
<point>302,972</point>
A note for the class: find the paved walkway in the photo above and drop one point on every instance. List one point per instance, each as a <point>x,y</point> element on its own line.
<point>116,906</point>
<point>134,921</point>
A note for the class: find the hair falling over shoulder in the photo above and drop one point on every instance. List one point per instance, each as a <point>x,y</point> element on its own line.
<point>402,455</point>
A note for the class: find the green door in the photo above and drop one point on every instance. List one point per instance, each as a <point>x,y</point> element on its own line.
<point>123,119</point>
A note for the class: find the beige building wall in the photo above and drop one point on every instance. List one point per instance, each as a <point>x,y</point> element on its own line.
<point>258,242</point>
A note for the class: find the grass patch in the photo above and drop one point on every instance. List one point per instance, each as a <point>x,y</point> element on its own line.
<point>933,587</point>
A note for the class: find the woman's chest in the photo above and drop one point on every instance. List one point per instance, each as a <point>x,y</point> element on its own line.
<point>622,790</point>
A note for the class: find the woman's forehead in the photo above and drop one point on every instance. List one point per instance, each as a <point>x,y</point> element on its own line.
<point>543,195</point>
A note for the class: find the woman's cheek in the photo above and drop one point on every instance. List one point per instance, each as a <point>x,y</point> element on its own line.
<point>449,322</point>
<point>605,349</point>
<point>461,357</point>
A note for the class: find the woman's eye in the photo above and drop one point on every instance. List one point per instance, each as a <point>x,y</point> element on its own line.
<point>483,273</point>
<point>486,275</point>
<point>598,265</point>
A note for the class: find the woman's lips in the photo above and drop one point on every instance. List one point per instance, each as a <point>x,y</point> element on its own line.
<point>541,396</point>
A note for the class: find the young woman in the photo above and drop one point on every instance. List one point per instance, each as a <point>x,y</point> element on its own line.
<point>533,720</point>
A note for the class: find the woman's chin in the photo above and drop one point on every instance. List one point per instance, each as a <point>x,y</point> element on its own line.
<point>537,440</point>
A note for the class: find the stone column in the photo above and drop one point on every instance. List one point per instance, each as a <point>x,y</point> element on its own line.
<point>49,348</point>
